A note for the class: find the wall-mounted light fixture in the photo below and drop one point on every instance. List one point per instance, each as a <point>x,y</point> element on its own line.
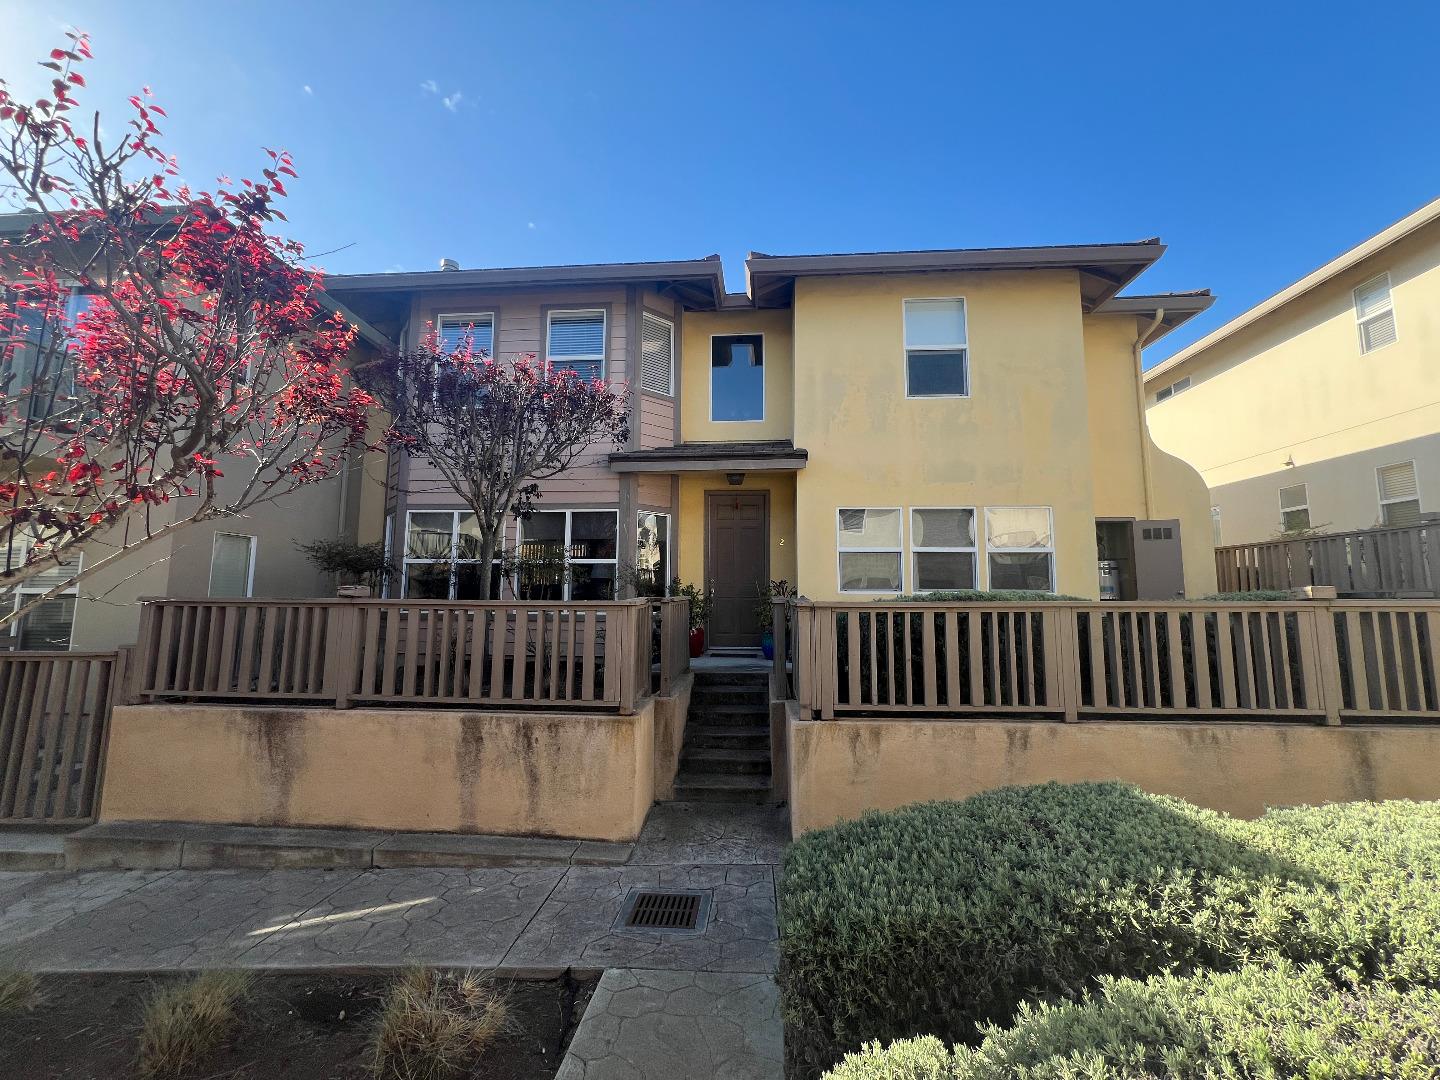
<point>734,479</point>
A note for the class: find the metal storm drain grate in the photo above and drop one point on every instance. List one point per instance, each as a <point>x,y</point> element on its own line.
<point>665,911</point>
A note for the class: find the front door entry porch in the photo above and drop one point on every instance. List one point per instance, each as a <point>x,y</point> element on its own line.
<point>737,564</point>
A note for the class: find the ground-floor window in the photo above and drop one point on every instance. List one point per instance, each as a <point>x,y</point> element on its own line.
<point>568,555</point>
<point>942,548</point>
<point>442,549</point>
<point>869,545</point>
<point>1020,547</point>
<point>49,625</point>
<point>1399,494</point>
<point>652,554</point>
<point>232,565</point>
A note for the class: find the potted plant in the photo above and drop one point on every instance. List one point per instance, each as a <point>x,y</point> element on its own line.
<point>765,614</point>
<point>700,603</point>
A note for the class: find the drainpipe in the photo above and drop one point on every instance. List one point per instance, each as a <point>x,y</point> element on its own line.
<point>1140,342</point>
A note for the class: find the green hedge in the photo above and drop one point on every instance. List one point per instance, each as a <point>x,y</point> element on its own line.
<point>1254,596</point>
<point>940,917</point>
<point>978,596</point>
<point>1260,1022</point>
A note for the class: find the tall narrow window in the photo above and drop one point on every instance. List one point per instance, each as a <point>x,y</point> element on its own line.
<point>1215,529</point>
<point>737,377</point>
<point>451,330</point>
<point>869,549</point>
<point>1399,494</point>
<point>652,554</point>
<point>232,565</point>
<point>657,354</point>
<point>936,363</point>
<point>575,340</point>
<point>1375,314</point>
<point>1294,508</point>
<point>1020,545</point>
<point>942,545</point>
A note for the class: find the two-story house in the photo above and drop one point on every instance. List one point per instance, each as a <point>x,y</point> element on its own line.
<point>860,425</point>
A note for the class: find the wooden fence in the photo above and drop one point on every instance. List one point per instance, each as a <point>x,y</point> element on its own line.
<point>1303,660</point>
<point>1369,561</point>
<point>54,713</point>
<point>382,652</point>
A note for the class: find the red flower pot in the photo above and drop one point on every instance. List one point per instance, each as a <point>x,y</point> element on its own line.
<point>697,642</point>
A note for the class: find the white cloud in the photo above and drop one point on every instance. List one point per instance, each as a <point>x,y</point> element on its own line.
<point>453,101</point>
<point>309,89</point>
<point>530,224</point>
<point>430,86</point>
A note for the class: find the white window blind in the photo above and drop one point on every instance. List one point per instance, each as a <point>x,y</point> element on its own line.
<point>869,555</point>
<point>49,624</point>
<point>1020,545</point>
<point>936,345</point>
<point>1399,494</point>
<point>232,563</point>
<point>576,340</point>
<point>1295,508</point>
<point>657,354</point>
<point>1375,314</point>
<point>451,330</point>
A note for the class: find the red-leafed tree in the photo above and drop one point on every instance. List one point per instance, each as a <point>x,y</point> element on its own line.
<point>204,374</point>
<point>493,427</point>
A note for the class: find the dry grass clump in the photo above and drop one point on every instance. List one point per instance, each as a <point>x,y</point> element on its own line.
<point>434,1024</point>
<point>185,1023</point>
<point>19,992</point>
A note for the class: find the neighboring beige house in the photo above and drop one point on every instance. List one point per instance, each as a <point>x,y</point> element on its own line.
<point>1318,408</point>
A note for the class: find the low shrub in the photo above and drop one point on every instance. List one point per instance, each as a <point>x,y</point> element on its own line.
<point>1259,1022</point>
<point>435,1024</point>
<point>982,596</point>
<point>185,1023</point>
<point>941,917</point>
<point>19,992</point>
<point>1254,596</point>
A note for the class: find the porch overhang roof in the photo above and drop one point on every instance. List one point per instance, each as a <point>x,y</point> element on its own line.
<point>777,455</point>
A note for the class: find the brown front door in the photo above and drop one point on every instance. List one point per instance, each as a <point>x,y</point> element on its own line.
<point>737,565</point>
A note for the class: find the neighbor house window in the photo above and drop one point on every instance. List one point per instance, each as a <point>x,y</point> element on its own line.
<point>1179,386</point>
<point>1295,508</point>
<point>442,549</point>
<point>935,349</point>
<point>942,548</point>
<point>1375,314</point>
<point>451,330</point>
<point>1399,494</point>
<point>1215,525</point>
<point>575,341</point>
<point>42,357</point>
<point>869,549</point>
<point>657,354</point>
<point>47,626</point>
<point>1020,544</point>
<point>737,377</point>
<point>652,554</point>
<point>568,555</point>
<point>232,565</point>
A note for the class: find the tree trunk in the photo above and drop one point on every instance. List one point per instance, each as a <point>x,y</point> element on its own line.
<point>489,538</point>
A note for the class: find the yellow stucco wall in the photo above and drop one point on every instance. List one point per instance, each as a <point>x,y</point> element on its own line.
<point>696,330</point>
<point>783,541</point>
<point>1295,386</point>
<point>841,768</point>
<point>588,775</point>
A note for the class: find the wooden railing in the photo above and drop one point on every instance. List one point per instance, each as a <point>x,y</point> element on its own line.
<point>375,652</point>
<point>1368,561</point>
<point>1305,660</point>
<point>671,619</point>
<point>54,712</point>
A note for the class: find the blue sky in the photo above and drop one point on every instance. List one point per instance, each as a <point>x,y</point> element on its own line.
<point>1257,139</point>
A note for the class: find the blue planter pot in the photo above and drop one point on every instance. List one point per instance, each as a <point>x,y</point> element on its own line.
<point>767,644</point>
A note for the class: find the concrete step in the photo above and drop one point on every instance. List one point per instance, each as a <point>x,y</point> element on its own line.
<point>712,760</point>
<point>722,787</point>
<point>169,845</point>
<point>743,680</point>
<point>728,715</point>
<point>746,737</point>
<point>759,696</point>
<point>32,849</point>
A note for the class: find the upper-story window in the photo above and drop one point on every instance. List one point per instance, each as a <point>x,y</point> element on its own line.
<point>576,340</point>
<point>936,349</point>
<point>451,330</point>
<point>657,354</point>
<point>1179,386</point>
<point>737,377</point>
<point>1375,314</point>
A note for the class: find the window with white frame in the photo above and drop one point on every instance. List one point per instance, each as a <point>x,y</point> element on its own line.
<point>869,549</point>
<point>942,548</point>
<point>568,555</point>
<point>652,553</point>
<point>1295,508</point>
<point>936,348</point>
<point>1179,386</point>
<point>575,341</point>
<point>451,329</point>
<point>1399,494</point>
<point>1020,547</point>
<point>48,625</point>
<point>1375,314</point>
<point>1215,525</point>
<point>657,354</point>
<point>442,557</point>
<point>232,565</point>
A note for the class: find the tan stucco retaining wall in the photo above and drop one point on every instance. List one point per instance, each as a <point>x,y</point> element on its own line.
<point>840,768</point>
<point>588,775</point>
<point>670,715</point>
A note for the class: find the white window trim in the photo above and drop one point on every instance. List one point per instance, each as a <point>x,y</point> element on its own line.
<point>995,550</point>
<point>406,562</point>
<point>250,567</point>
<point>645,313</point>
<point>1280,497</point>
<point>1217,526</point>
<point>589,358</point>
<point>898,550</point>
<point>1179,386</point>
<point>669,540</point>
<point>1388,309</point>
<point>905,350</point>
<point>917,548</point>
<point>471,318</point>
<point>570,512</point>
<point>764,375</point>
<point>1380,489</point>
<point>21,592</point>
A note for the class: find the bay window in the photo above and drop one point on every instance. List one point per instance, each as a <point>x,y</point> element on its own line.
<point>442,557</point>
<point>652,554</point>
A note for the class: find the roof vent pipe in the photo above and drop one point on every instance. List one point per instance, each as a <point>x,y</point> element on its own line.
<point>449,264</point>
